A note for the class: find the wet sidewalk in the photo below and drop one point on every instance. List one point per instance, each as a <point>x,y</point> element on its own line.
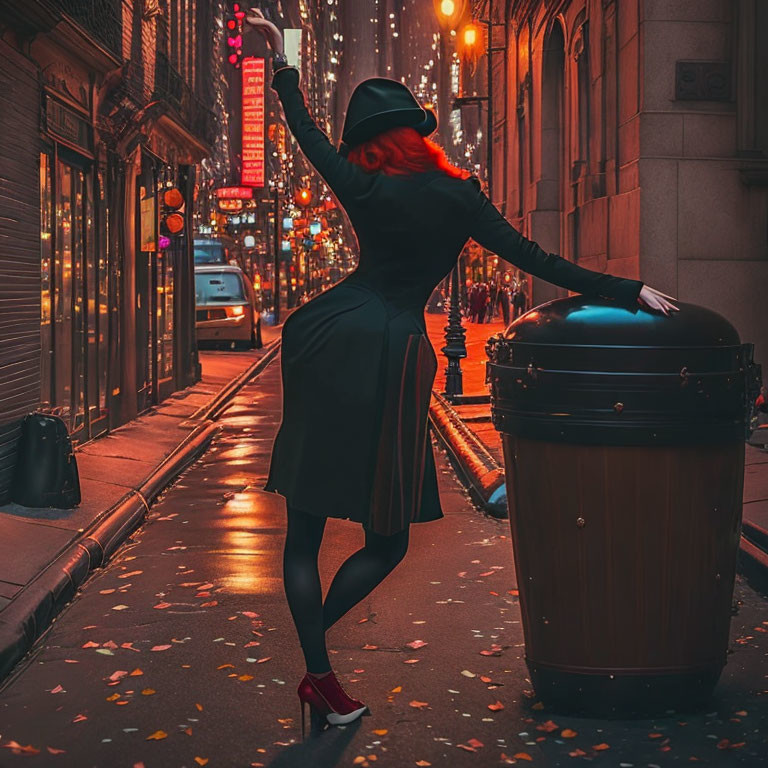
<point>181,651</point>
<point>46,553</point>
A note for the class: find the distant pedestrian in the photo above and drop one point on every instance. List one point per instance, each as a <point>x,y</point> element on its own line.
<point>518,302</point>
<point>482,302</point>
<point>503,300</point>
<point>493,294</point>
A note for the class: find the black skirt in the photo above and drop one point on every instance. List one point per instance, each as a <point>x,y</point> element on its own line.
<point>357,375</point>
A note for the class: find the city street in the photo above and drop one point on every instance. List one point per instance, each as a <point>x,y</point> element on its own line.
<point>181,652</point>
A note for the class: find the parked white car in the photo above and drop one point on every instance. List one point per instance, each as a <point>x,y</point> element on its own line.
<point>225,306</point>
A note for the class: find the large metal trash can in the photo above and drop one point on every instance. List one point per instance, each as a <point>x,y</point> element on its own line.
<point>623,436</point>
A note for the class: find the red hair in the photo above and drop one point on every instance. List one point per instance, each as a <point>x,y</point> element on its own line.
<point>402,150</point>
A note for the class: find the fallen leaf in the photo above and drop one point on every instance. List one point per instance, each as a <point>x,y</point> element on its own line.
<point>417,644</point>
<point>601,747</point>
<point>538,706</point>
<point>522,756</point>
<point>577,753</point>
<point>381,731</point>
<point>370,647</point>
<point>136,671</point>
<point>261,661</point>
<point>397,690</point>
<point>496,707</point>
<point>160,606</point>
<point>567,733</point>
<point>418,704</point>
<point>475,743</point>
<point>411,661</point>
<point>547,726</point>
<point>129,574</point>
<point>422,763</point>
<point>55,751</point>
<point>120,607</point>
<point>157,735</point>
<point>16,747</point>
<point>201,760</point>
<point>160,647</point>
<point>58,689</point>
<point>148,692</point>
<point>467,673</point>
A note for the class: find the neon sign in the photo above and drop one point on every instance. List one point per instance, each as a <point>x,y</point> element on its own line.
<point>252,172</point>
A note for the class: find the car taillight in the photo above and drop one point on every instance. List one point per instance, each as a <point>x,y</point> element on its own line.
<point>235,311</point>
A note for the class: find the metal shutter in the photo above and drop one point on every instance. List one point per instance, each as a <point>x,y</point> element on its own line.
<point>19,251</point>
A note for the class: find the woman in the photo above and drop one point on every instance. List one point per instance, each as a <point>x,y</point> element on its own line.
<point>357,368</point>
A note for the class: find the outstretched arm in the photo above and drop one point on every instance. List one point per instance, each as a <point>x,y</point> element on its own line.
<point>492,231</point>
<point>342,176</point>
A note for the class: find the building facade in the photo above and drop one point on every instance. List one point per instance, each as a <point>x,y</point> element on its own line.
<point>631,137</point>
<point>102,124</point>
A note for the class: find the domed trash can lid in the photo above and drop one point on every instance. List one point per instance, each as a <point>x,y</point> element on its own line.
<point>588,370</point>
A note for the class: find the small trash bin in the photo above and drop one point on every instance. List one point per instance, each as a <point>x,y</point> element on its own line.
<point>623,435</point>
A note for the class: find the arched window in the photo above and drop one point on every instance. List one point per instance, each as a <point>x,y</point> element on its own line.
<point>581,55</point>
<point>552,145</point>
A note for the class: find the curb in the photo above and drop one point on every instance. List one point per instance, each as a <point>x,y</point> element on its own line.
<point>30,614</point>
<point>216,405</point>
<point>753,554</point>
<point>478,469</point>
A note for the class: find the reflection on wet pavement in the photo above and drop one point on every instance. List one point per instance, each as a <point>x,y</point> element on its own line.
<point>181,651</point>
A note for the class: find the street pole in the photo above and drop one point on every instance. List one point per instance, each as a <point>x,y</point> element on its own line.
<point>489,129</point>
<point>276,281</point>
<point>455,348</point>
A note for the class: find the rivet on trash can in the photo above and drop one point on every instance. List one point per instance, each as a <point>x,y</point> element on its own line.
<point>717,577</point>
<point>618,407</point>
<point>580,522</point>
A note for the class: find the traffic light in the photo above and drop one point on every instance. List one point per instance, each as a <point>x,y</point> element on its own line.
<point>172,217</point>
<point>304,197</point>
<point>234,26</point>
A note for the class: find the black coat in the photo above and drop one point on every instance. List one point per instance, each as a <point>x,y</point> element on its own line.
<point>356,363</point>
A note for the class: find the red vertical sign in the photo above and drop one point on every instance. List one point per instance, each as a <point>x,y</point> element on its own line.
<point>252,174</point>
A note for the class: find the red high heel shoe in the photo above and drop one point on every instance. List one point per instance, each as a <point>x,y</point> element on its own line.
<point>328,702</point>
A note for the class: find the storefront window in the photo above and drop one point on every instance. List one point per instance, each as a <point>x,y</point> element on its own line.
<point>102,274</point>
<point>78,297</point>
<point>62,305</point>
<point>46,237</point>
<point>165,312</point>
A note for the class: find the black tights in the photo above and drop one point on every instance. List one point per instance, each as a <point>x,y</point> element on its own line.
<point>358,575</point>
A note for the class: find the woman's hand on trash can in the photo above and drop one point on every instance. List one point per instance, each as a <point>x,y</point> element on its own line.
<point>654,299</point>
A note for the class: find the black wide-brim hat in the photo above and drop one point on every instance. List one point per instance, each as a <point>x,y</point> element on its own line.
<point>380,103</point>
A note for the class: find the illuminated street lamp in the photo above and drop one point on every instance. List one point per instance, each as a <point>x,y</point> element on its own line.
<point>449,12</point>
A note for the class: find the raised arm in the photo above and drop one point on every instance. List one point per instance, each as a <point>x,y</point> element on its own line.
<point>343,177</point>
<point>491,230</point>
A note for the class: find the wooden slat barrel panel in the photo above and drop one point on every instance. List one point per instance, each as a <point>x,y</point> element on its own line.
<point>637,587</point>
